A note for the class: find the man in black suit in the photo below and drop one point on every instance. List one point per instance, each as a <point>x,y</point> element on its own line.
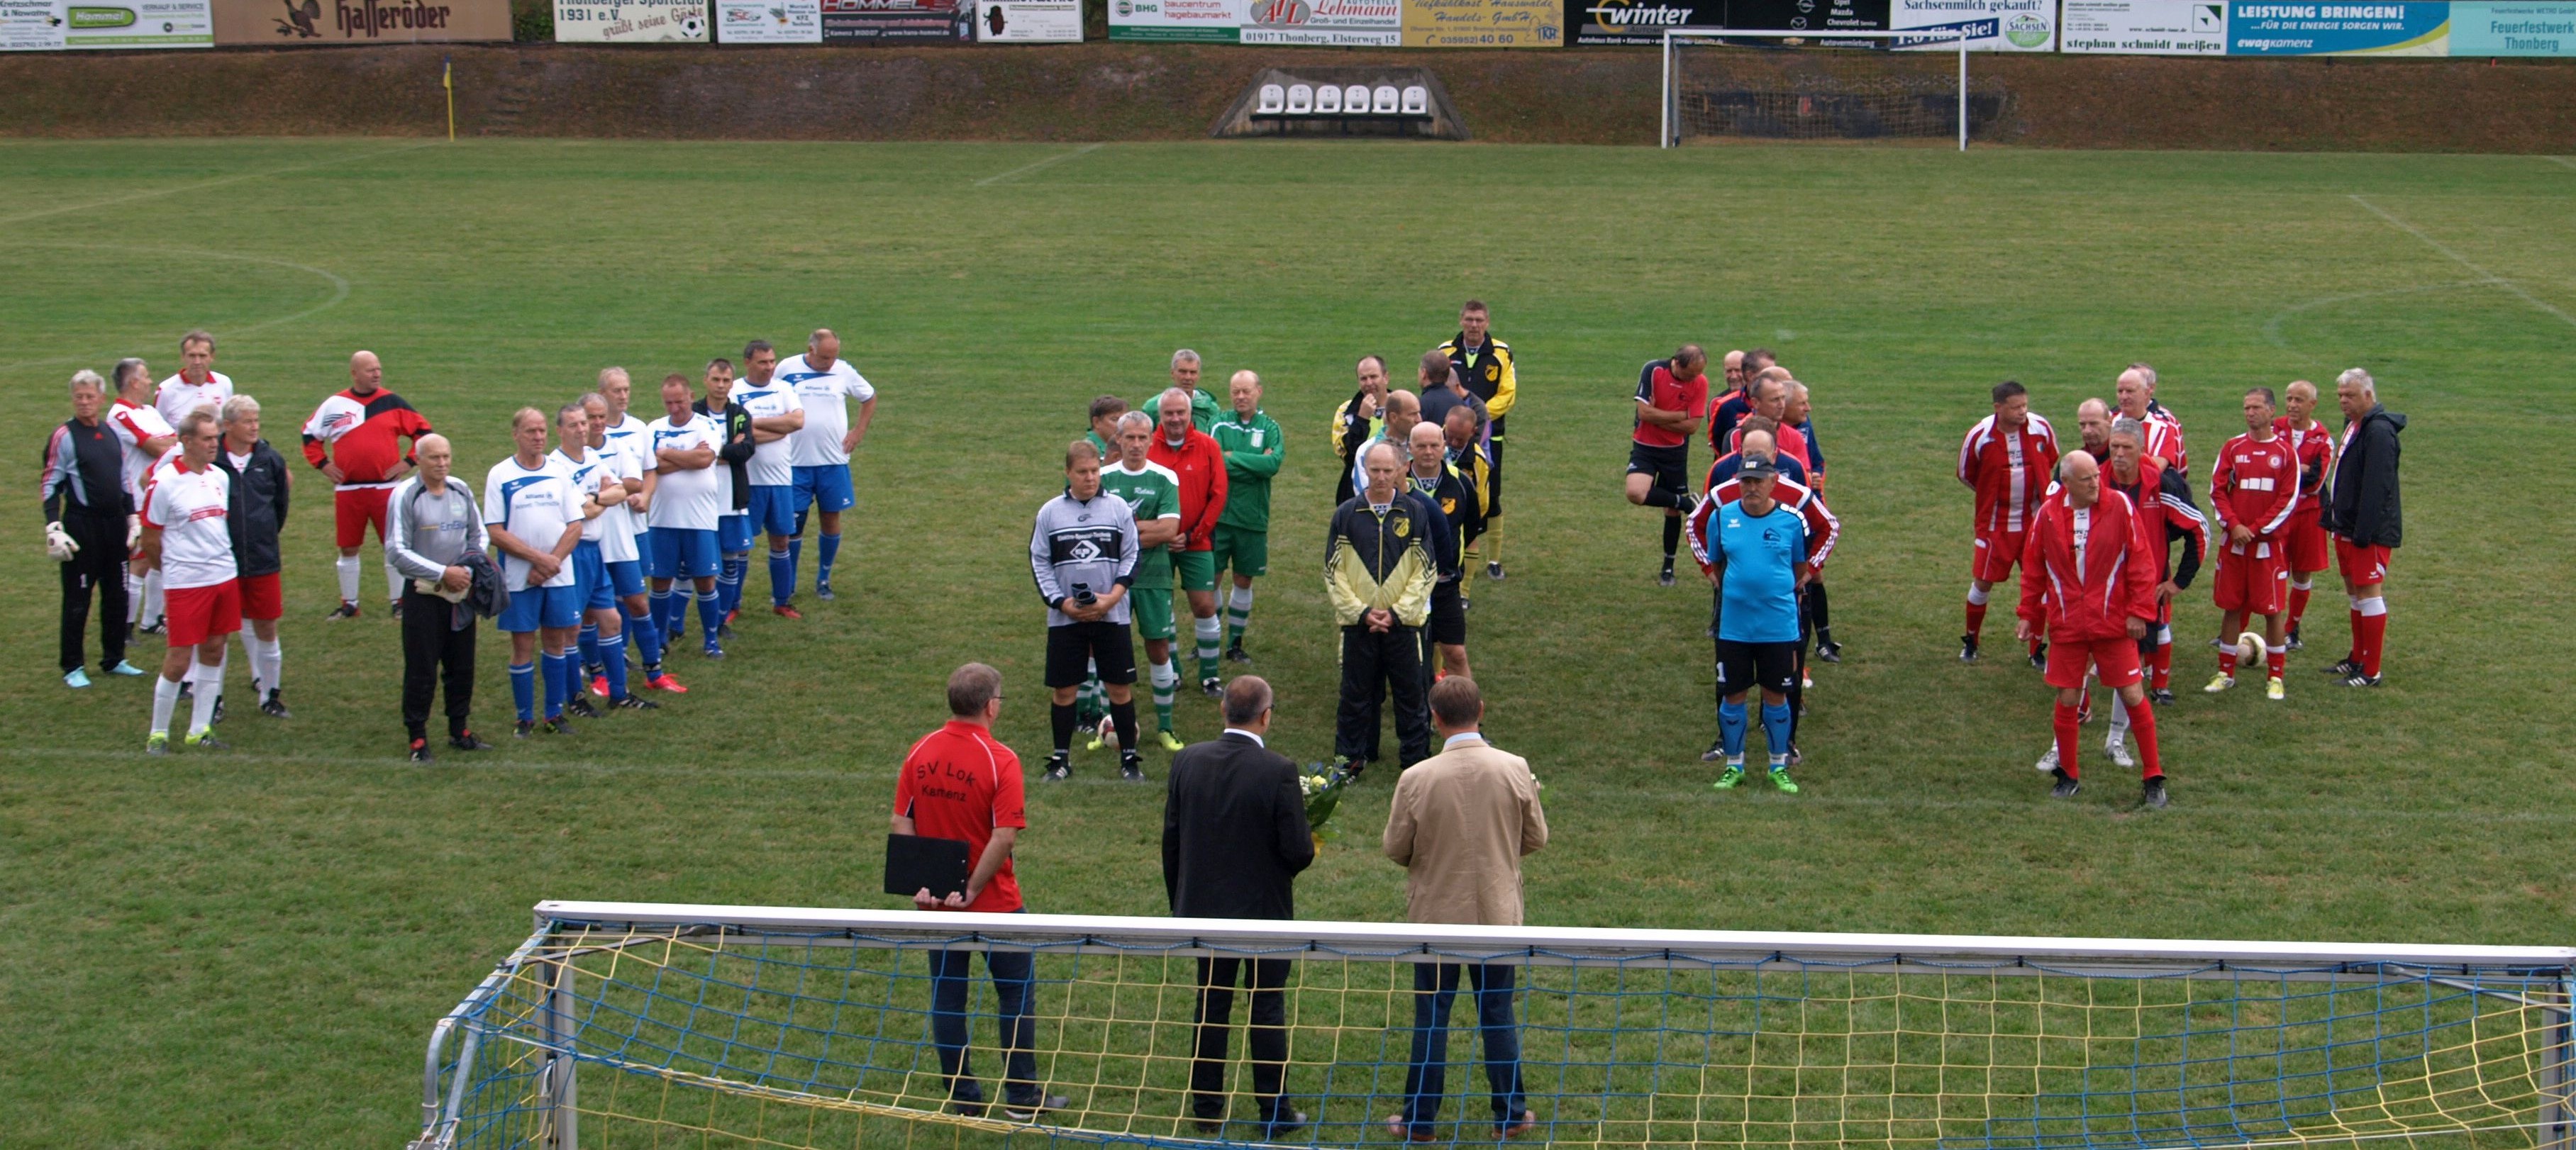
<point>1234,838</point>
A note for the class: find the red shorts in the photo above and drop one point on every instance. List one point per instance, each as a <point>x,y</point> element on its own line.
<point>261,598</point>
<point>2114,660</point>
<point>2360,565</point>
<point>1998,552</point>
<point>2308,551</point>
<point>354,508</point>
<point>2257,584</point>
<point>197,614</point>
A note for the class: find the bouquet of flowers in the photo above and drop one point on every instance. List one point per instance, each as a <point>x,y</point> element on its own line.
<point>1322,784</point>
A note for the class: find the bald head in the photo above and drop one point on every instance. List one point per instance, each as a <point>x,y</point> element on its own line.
<point>1460,426</point>
<point>365,374</point>
<point>2093,419</point>
<point>436,459</point>
<point>2135,387</point>
<point>1403,410</point>
<point>1758,442</point>
<point>1430,444</point>
<point>2082,478</point>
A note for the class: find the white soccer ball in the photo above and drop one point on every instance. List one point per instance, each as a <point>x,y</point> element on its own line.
<point>2250,648</point>
<point>1109,732</point>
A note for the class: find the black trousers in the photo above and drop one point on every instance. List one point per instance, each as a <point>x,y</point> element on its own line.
<point>1494,475</point>
<point>99,567</point>
<point>1375,665</point>
<point>435,650</point>
<point>1266,1032</point>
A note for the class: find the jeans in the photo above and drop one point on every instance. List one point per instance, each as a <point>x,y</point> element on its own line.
<point>1434,985</point>
<point>1014,981</point>
<point>1267,1033</point>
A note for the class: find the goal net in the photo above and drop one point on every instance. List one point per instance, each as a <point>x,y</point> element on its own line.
<point>1810,86</point>
<point>628,1024</point>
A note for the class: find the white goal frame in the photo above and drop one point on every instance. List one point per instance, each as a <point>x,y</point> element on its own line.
<point>1671,97</point>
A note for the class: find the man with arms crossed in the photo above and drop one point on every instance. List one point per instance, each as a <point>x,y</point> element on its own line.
<point>185,537</point>
<point>1083,554</point>
<point>733,488</point>
<point>618,438</point>
<point>257,514</point>
<point>2314,445</point>
<point>1254,447</point>
<point>1198,464</point>
<point>198,384</point>
<point>776,415</point>
<point>1153,495</point>
<point>2006,460</point>
<point>824,382</point>
<point>593,469</point>
<point>534,518</point>
<point>1486,366</point>
<point>1672,398</point>
<point>432,523</point>
<point>2363,514</point>
<point>685,509</point>
<point>2254,488</point>
<point>355,440</point>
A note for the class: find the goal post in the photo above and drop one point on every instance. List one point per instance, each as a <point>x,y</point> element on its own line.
<point>1678,89</point>
<point>617,1024</point>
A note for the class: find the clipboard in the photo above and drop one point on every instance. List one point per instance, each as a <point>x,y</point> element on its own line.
<point>915,862</point>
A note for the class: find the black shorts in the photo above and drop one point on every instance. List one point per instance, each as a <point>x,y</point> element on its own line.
<point>1074,647</point>
<point>1448,622</point>
<point>1670,466</point>
<point>1746,666</point>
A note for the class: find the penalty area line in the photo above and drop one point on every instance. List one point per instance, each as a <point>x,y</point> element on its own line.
<point>2463,261</point>
<point>1025,169</point>
<point>218,182</point>
<point>2561,161</point>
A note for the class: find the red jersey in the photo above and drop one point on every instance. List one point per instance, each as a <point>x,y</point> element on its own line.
<point>1200,465</point>
<point>1656,388</point>
<point>2085,574</point>
<point>2315,448</point>
<point>2164,437</point>
<point>1822,528</point>
<point>2256,483</point>
<point>2009,470</point>
<point>366,433</point>
<point>1791,442</point>
<point>959,782</point>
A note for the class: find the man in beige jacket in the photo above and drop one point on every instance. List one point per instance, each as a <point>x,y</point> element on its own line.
<point>1460,822</point>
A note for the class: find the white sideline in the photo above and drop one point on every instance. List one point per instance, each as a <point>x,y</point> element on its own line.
<point>2561,161</point>
<point>2463,261</point>
<point>218,182</point>
<point>1058,158</point>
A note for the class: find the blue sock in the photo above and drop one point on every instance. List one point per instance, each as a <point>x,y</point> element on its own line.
<point>795,555</point>
<point>615,658</point>
<point>729,582</point>
<point>523,688</point>
<point>1730,728</point>
<point>589,646</point>
<point>823,559</point>
<point>710,613</point>
<point>660,613</point>
<point>553,662</point>
<point>648,639</point>
<point>782,576</point>
<point>1775,730</point>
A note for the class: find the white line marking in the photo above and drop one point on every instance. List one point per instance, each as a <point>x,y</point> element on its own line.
<point>339,286</point>
<point>1058,158</point>
<point>2272,326</point>
<point>2561,161</point>
<point>202,185</point>
<point>2463,261</point>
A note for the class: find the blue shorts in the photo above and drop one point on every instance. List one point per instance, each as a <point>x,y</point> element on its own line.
<point>590,578</point>
<point>733,534</point>
<point>773,509</point>
<point>824,489</point>
<point>539,608</point>
<point>627,575</point>
<point>679,553</point>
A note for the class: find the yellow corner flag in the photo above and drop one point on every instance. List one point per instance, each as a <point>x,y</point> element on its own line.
<point>447,80</point>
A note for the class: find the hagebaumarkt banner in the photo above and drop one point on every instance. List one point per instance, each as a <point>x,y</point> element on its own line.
<point>624,22</point>
<point>318,23</point>
<point>2263,28</point>
<point>1028,22</point>
<point>769,22</point>
<point>1484,23</point>
<point>1327,23</point>
<point>1992,25</point>
<point>2144,27</point>
<point>2480,28</point>
<point>1204,21</point>
<point>54,25</point>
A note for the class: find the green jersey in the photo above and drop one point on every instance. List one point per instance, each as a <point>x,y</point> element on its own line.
<point>1108,454</point>
<point>1252,448</point>
<point>1204,409</point>
<point>1153,493</point>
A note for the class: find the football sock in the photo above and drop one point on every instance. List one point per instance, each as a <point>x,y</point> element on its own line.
<point>2299,590</point>
<point>348,571</point>
<point>152,596</point>
<point>1238,614</point>
<point>2353,612</point>
<point>1820,613</point>
<point>589,644</point>
<point>165,699</point>
<point>2119,716</point>
<point>1661,497</point>
<point>2373,614</point>
<point>2227,660</point>
<point>267,662</point>
<point>2142,730</point>
<point>2069,733</point>
<point>2162,659</point>
<point>1060,716</point>
<point>782,576</point>
<point>1122,718</point>
<point>2276,658</point>
<point>211,678</point>
<point>1976,611</point>
<point>1775,732</point>
<point>553,664</point>
<point>1730,730</point>
<point>648,638</point>
<point>1672,536</point>
<point>795,555</point>
<point>711,613</point>
<point>523,689</point>
<point>662,600</point>
<point>133,598</point>
<point>613,660</point>
<point>1494,539</point>
<point>1166,683</point>
<point>823,559</point>
<point>1210,632</point>
<point>729,580</point>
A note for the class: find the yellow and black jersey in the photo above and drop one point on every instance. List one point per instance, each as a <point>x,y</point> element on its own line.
<point>1379,561</point>
<point>1487,371</point>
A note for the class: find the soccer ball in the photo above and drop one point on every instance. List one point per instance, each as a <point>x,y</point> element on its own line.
<point>2250,648</point>
<point>1109,732</point>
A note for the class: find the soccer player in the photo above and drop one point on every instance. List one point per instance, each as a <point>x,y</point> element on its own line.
<point>1153,497</point>
<point>2006,460</point>
<point>1198,465</point>
<point>776,415</point>
<point>1083,554</point>
<point>1442,389</point>
<point>1254,447</point>
<point>535,518</point>
<point>1378,574</point>
<point>2363,514</point>
<point>2254,487</point>
<point>617,438</point>
<point>86,511</point>
<point>1768,391</point>
<point>2135,391</point>
<point>431,522</point>
<point>1757,558</point>
<point>1731,408</point>
<point>1456,513</point>
<point>1485,364</point>
<point>1822,532</point>
<point>1106,411</point>
<point>1797,419</point>
<point>146,438</point>
<point>2166,514</point>
<point>733,488</point>
<point>186,539</point>
<point>1399,413</point>
<point>1185,377</point>
<point>1359,419</point>
<point>1672,398</point>
<point>1757,435</point>
<point>256,514</point>
<point>2088,581</point>
<point>198,384</point>
<point>355,440</point>
<point>685,508</point>
<point>2314,446</point>
<point>820,450</point>
<point>593,471</point>
<point>2093,426</point>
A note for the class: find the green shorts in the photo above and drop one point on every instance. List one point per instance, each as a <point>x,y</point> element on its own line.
<point>1242,552</point>
<point>1195,570</point>
<point>1152,607</point>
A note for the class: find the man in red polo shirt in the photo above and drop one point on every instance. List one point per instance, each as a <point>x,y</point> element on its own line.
<point>959,782</point>
<point>1672,399</point>
<point>1198,462</point>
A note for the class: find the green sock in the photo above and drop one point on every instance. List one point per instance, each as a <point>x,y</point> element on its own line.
<point>1238,612</point>
<point>1165,681</point>
<point>1209,632</point>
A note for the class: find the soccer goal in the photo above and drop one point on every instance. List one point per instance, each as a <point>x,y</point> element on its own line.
<point>634,1024</point>
<point>1775,84</point>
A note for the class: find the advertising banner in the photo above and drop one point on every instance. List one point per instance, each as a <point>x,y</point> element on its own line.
<point>769,22</point>
<point>2144,27</point>
<point>55,25</point>
<point>898,21</point>
<point>1599,22</point>
<point>624,22</point>
<point>1485,23</point>
<point>2482,28</point>
<point>1028,22</point>
<point>317,23</point>
<point>1992,25</point>
<point>1328,23</point>
<point>1202,21</point>
<point>2263,28</point>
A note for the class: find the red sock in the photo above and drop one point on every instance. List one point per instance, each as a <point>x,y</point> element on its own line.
<point>2227,659</point>
<point>2163,660</point>
<point>2142,731</point>
<point>2357,629</point>
<point>2374,630</point>
<point>1976,619</point>
<point>2298,604</point>
<point>2278,659</point>
<point>2069,733</point>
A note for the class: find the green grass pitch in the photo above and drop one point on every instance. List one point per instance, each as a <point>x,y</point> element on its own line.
<point>247,949</point>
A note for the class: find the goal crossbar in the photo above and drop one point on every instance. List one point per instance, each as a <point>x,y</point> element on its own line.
<point>1669,136</point>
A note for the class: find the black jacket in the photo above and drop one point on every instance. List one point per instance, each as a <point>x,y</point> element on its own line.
<point>488,595</point>
<point>1234,831</point>
<point>737,449</point>
<point>2363,508</point>
<point>258,509</point>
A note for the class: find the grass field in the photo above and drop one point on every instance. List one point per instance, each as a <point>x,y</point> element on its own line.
<point>248,949</point>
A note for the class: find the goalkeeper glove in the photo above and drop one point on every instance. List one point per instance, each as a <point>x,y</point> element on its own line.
<point>133,531</point>
<point>58,544</point>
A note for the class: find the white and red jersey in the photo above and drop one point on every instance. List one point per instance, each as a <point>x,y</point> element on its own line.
<point>2008,469</point>
<point>2255,484</point>
<point>1789,440</point>
<point>365,433</point>
<point>2164,437</point>
<point>177,397</point>
<point>2315,448</point>
<point>1823,530</point>
<point>189,506</point>
<point>135,423</point>
<point>2086,573</point>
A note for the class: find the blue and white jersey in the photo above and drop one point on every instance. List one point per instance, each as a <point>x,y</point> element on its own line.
<point>594,470</point>
<point>628,447</point>
<point>825,393</point>
<point>686,500</point>
<point>770,462</point>
<point>1761,582</point>
<point>535,504</point>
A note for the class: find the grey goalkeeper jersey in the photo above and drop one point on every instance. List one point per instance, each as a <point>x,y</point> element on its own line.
<point>426,531</point>
<point>1092,544</point>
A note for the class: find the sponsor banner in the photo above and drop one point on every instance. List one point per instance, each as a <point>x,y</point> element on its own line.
<point>316,23</point>
<point>2264,28</point>
<point>769,22</point>
<point>1593,22</point>
<point>2144,27</point>
<point>1329,23</point>
<point>621,22</point>
<point>897,21</point>
<point>1028,22</point>
<point>1203,21</point>
<point>1992,25</point>
<point>1485,23</point>
<point>2481,28</point>
<point>55,25</point>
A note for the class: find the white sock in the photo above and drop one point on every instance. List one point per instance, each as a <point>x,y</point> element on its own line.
<point>152,596</point>
<point>2371,606</point>
<point>205,676</point>
<point>348,568</point>
<point>134,598</point>
<point>1211,633</point>
<point>165,699</point>
<point>1976,596</point>
<point>264,663</point>
<point>2119,717</point>
<point>210,687</point>
<point>393,582</point>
